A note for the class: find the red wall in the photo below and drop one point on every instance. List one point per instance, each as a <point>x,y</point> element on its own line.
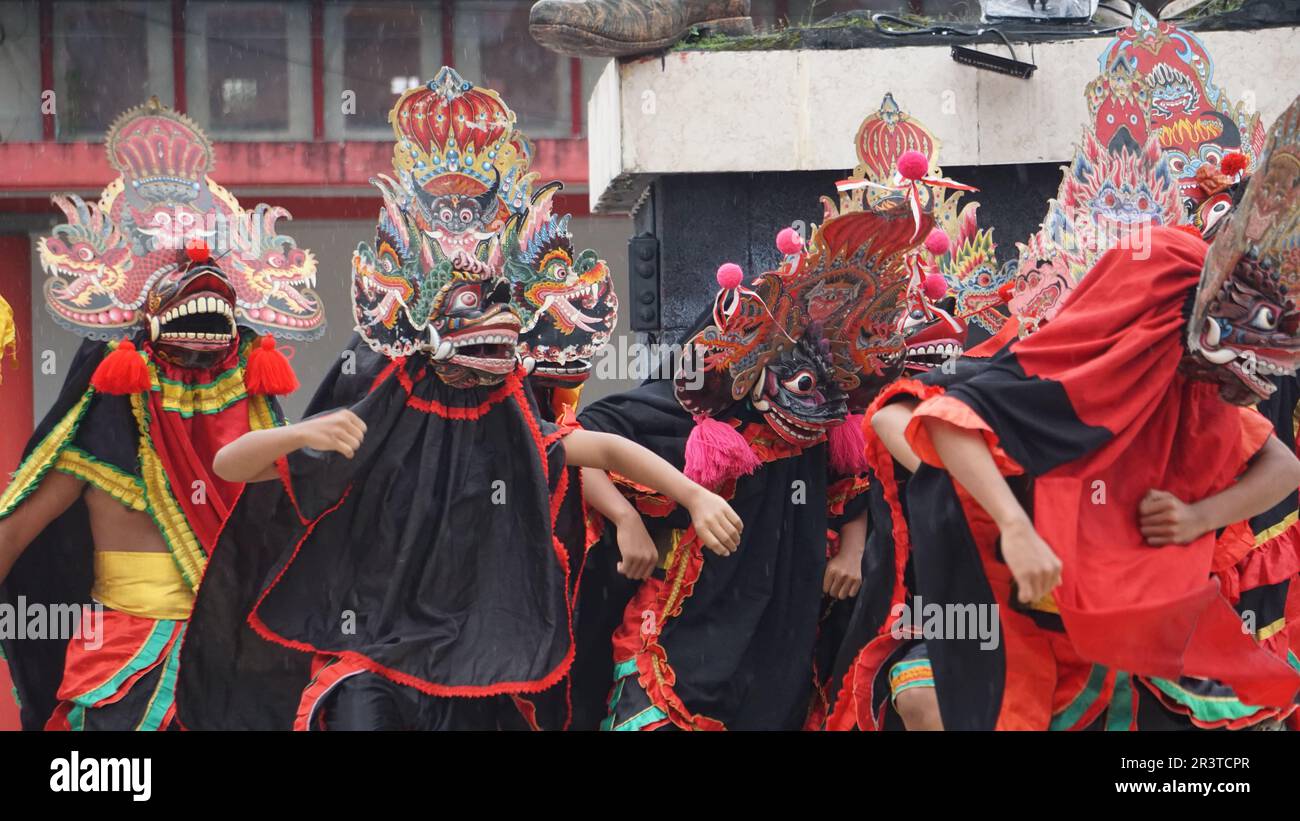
<point>15,395</point>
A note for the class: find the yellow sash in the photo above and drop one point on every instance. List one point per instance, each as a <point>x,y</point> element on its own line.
<point>149,585</point>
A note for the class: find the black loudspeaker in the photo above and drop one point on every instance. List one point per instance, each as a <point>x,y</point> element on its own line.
<point>643,288</point>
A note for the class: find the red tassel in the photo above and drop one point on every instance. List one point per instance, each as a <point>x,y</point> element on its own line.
<point>848,446</point>
<point>268,372</point>
<point>123,371</point>
<point>717,453</point>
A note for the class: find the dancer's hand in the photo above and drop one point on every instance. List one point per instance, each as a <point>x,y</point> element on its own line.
<point>341,431</point>
<point>715,522</point>
<point>636,548</point>
<point>1036,568</point>
<point>1164,519</point>
<point>843,576</point>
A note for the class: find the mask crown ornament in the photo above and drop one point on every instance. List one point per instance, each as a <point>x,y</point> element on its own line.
<point>1194,120</point>
<point>1114,190</point>
<point>460,155</point>
<point>899,170</point>
<point>162,153</point>
<point>451,127</point>
<point>107,261</point>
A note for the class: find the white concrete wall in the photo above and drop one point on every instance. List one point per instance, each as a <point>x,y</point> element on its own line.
<point>697,112</point>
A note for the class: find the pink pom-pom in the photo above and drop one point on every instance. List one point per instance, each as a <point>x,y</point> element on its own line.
<point>729,275</point>
<point>936,242</point>
<point>913,165</point>
<point>935,286</point>
<point>1234,163</point>
<point>716,453</point>
<point>848,446</point>
<point>788,241</point>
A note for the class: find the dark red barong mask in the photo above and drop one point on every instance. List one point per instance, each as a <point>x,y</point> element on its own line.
<point>948,289</point>
<point>1244,327</point>
<point>804,342</point>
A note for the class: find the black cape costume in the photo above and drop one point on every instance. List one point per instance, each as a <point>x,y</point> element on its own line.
<point>712,642</point>
<point>428,558</point>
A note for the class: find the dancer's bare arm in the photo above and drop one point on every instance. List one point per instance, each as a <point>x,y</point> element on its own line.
<point>251,457</point>
<point>1165,519</point>
<point>715,522</point>
<point>55,494</point>
<point>890,424</point>
<point>637,549</point>
<point>967,458</point>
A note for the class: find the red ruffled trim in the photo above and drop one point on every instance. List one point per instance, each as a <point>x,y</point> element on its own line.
<point>506,389</point>
<point>386,372</point>
<point>959,414</point>
<point>654,597</point>
<point>528,711</point>
<point>1273,561</point>
<point>1260,715</point>
<point>286,479</point>
<point>327,672</point>
<point>561,553</point>
<point>842,491</point>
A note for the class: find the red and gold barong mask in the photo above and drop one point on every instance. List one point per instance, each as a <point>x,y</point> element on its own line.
<point>116,265</point>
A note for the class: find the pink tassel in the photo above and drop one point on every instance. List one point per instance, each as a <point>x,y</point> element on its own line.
<point>848,446</point>
<point>716,453</point>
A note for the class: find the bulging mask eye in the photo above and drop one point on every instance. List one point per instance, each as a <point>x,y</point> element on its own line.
<point>801,384</point>
<point>1265,318</point>
<point>465,299</point>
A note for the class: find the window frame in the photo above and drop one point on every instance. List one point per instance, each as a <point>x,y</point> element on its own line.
<point>158,51</point>
<point>431,59</point>
<point>299,72</point>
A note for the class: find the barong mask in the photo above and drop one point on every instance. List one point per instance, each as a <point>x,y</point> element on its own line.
<point>435,281</point>
<point>1194,121</point>
<point>114,263</point>
<point>1048,268</point>
<point>968,267</point>
<point>1245,326</point>
<point>806,342</point>
<point>565,299</point>
<point>407,299</point>
<point>949,288</point>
